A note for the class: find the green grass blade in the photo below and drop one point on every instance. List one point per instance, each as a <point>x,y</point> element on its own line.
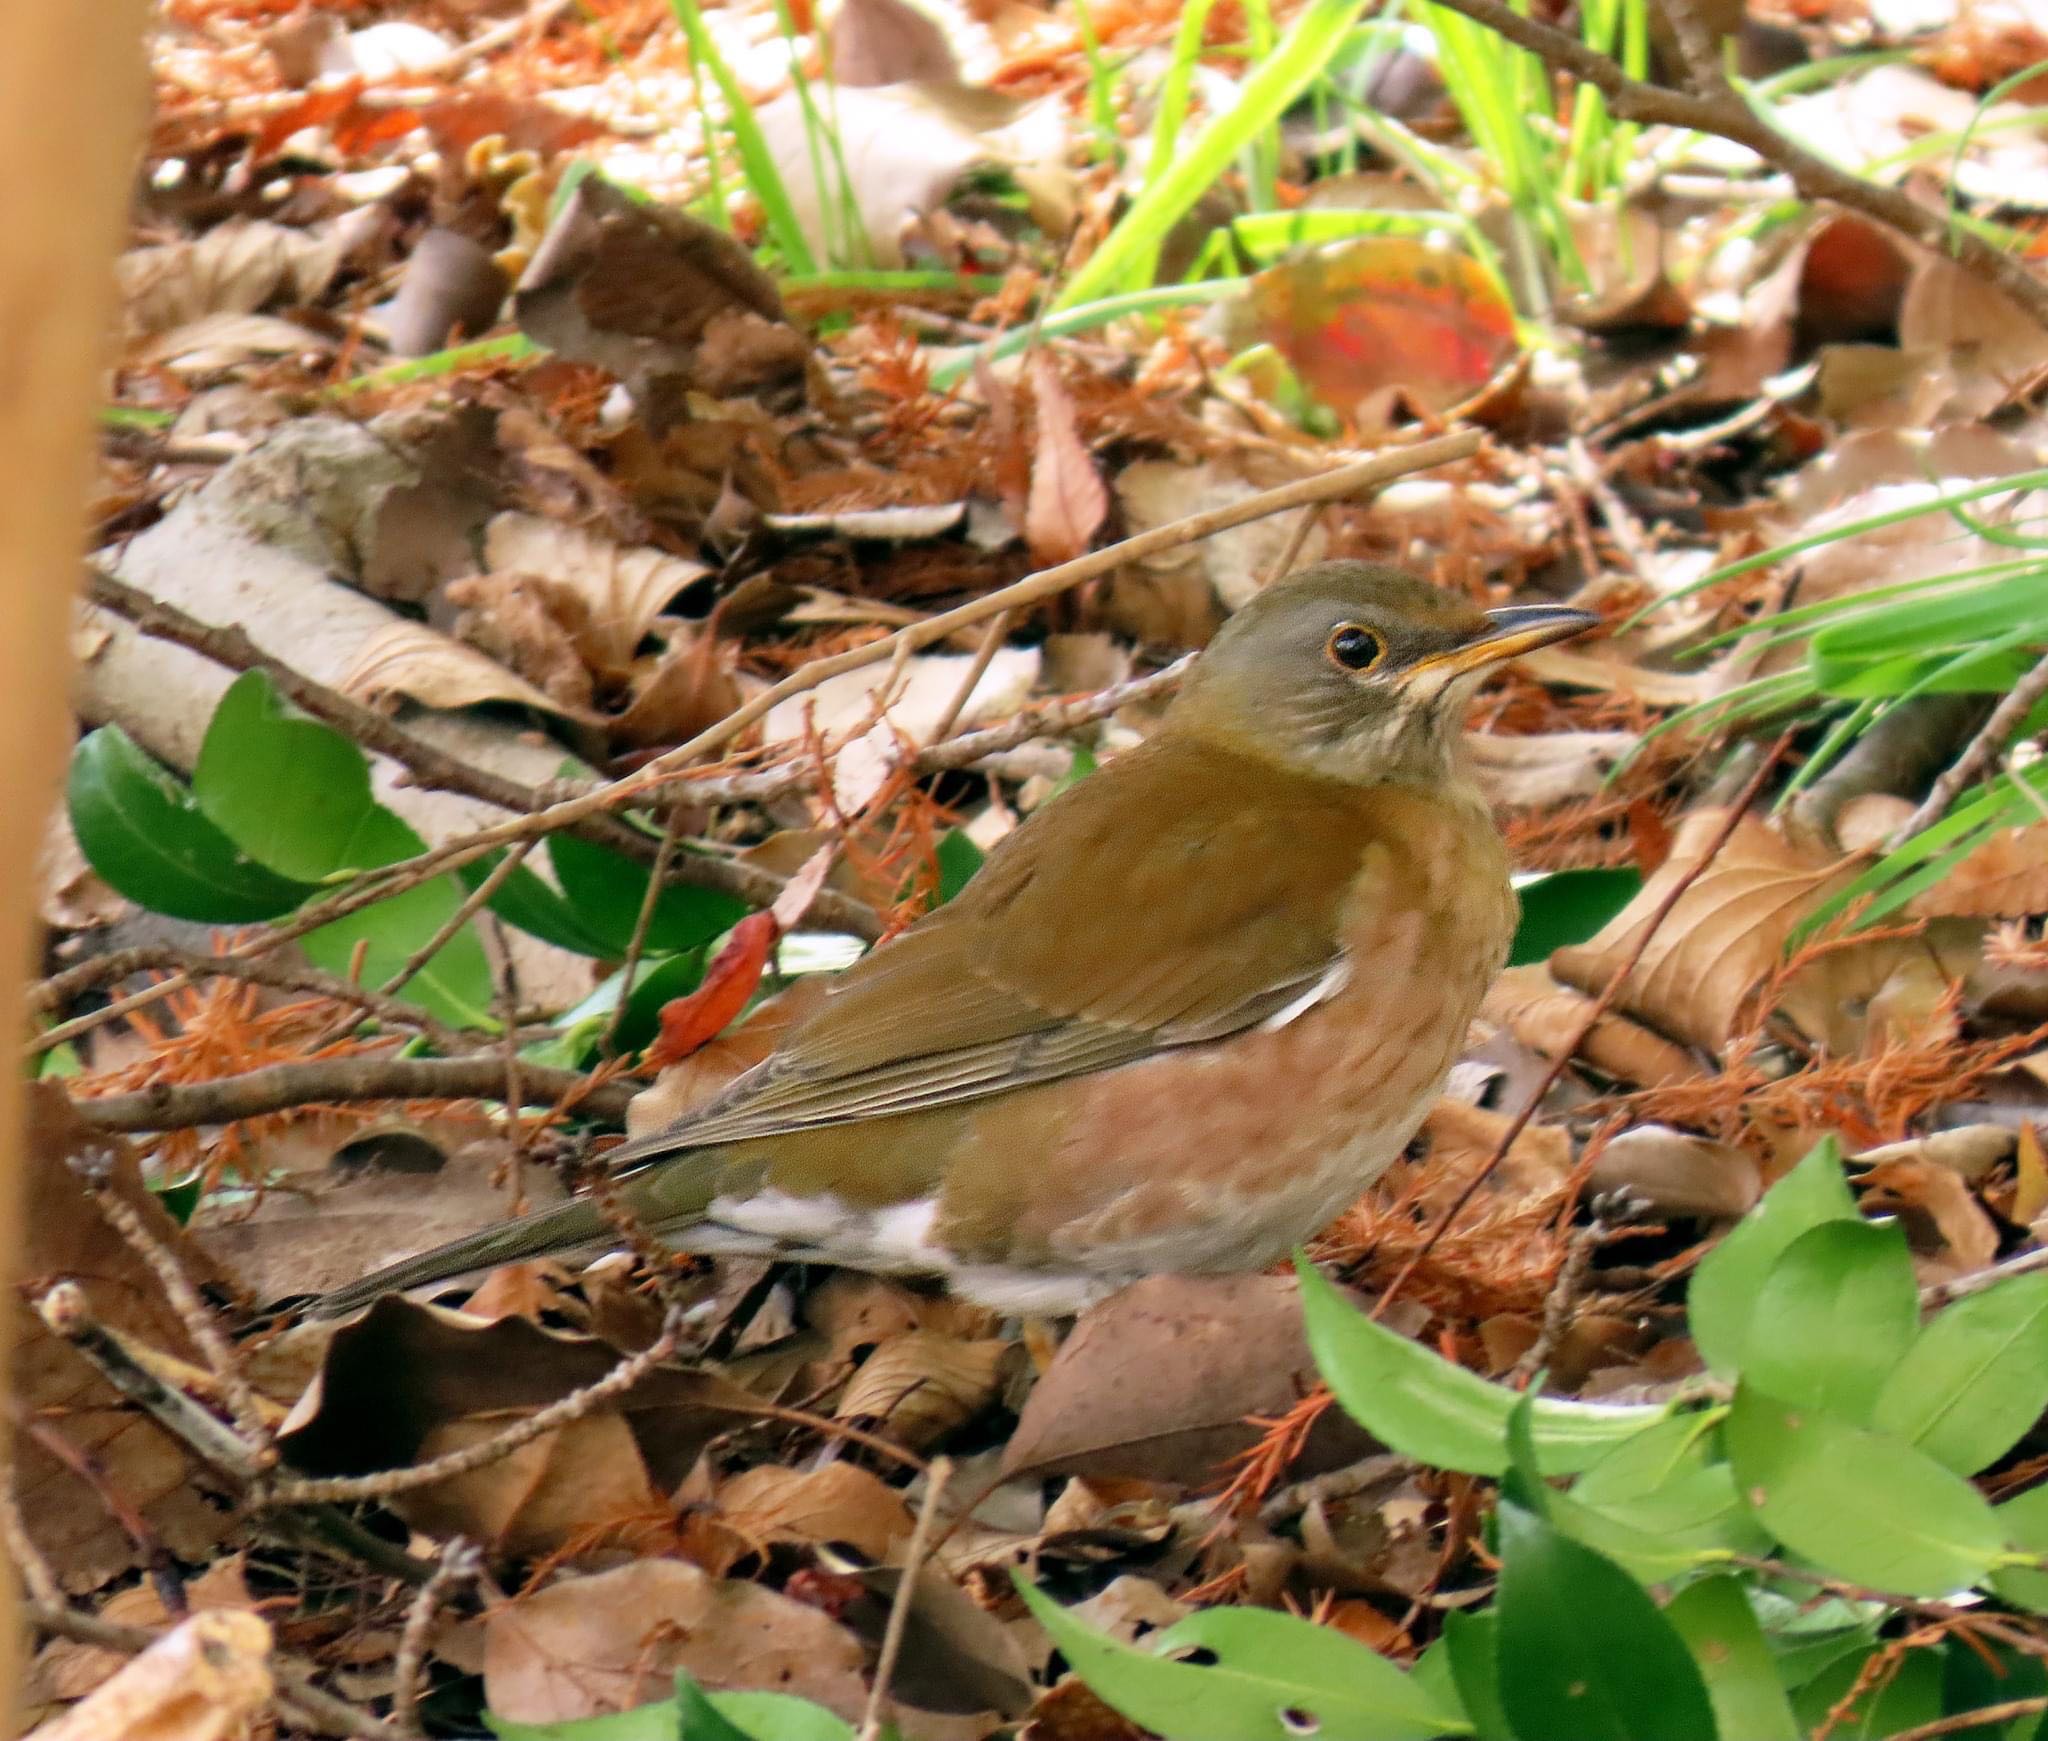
<point>1316,34</point>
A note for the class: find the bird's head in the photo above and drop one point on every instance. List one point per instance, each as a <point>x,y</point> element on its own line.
<point>1357,672</point>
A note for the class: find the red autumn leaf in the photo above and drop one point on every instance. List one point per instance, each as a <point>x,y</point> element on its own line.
<point>1385,313</point>
<point>688,1023</point>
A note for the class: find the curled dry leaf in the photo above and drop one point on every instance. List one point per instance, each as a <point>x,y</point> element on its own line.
<point>1676,1173</point>
<point>664,301</point>
<point>919,1386</point>
<point>622,588</point>
<point>1068,503</point>
<point>1543,1016</point>
<point>529,625</point>
<point>66,1669</point>
<point>586,1646</point>
<point>1236,563</point>
<point>1720,941</point>
<point>1459,1138</point>
<point>841,1502</point>
<point>1549,768</point>
<point>1950,1232</point>
<point>235,268</point>
<point>436,670</point>
<point>207,1680</point>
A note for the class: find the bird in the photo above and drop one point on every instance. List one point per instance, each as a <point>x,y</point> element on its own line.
<point>1179,1020</point>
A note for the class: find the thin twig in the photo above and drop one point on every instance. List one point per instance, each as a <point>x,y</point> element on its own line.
<point>66,1311</point>
<point>21,1548</point>
<point>977,667</point>
<point>1987,1715</point>
<point>500,874</point>
<point>460,1566</point>
<point>1588,1018</point>
<point>1961,1287</point>
<point>275,1087</point>
<point>1285,1503</point>
<point>1979,754</point>
<point>1297,541</point>
<point>193,1312</point>
<point>899,1610</point>
<point>650,898</point>
<point>1561,1302</point>
<point>347,1489</point>
<point>1726,114</point>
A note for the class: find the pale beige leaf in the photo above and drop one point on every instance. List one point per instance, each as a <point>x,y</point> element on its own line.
<point>1068,502</point>
<point>888,42</point>
<point>205,1681</point>
<point>922,1385</point>
<point>1544,1015</point>
<point>841,1502</point>
<point>235,268</point>
<point>436,670</point>
<point>585,1646</point>
<point>625,587</point>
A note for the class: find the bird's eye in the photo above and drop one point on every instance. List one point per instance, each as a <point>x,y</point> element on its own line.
<point>1355,648</point>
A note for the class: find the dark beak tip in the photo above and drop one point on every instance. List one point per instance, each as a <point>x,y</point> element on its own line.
<point>1539,625</point>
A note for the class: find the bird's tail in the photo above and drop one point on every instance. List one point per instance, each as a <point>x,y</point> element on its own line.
<point>562,1228</point>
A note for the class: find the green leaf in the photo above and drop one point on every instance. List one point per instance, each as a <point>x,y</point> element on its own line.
<point>1976,1379</point>
<point>693,1715</point>
<point>1719,1627</point>
<point>529,901</point>
<point>699,1718</point>
<point>2025,1523</point>
<point>773,1717</point>
<point>1857,1503</point>
<point>1969,1683</point>
<point>1269,1677</point>
<point>1721,1303</point>
<point>1583,1651</point>
<point>605,889</point>
<point>455,983</point>
<point>140,829</point>
<point>1842,1308</point>
<point>292,793</point>
<point>1568,907</point>
<point>1903,1699</point>
<point>959,858</point>
<point>1661,1502</point>
<point>1472,1636</point>
<point>181,1198</point>
<point>1437,1413</point>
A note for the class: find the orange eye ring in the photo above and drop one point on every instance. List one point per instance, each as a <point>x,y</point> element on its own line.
<point>1353,647</point>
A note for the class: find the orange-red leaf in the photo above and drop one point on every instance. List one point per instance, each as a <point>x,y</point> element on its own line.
<point>688,1023</point>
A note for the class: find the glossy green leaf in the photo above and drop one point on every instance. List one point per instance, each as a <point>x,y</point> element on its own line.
<point>1806,1633</point>
<point>1568,907</point>
<point>1721,1303</point>
<point>1661,1502</point>
<point>1841,1307</point>
<point>1719,1627</point>
<point>1976,1379</point>
<point>2024,1521</point>
<point>693,1714</point>
<point>1472,1639</point>
<point>657,1722</point>
<point>1267,1677</point>
<point>1856,1503</point>
<point>1583,1651</point>
<point>775,1717</point>
<point>1969,1682</point>
<point>959,858</point>
<point>140,829</point>
<point>1905,1696</point>
<point>1426,1408</point>
<point>455,984</point>
<point>292,793</point>
<point>605,889</point>
<point>527,900</point>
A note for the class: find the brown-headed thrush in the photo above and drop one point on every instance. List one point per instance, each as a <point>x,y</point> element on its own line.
<point>1179,1020</point>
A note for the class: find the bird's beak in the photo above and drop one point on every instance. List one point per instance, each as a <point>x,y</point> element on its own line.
<point>1509,632</point>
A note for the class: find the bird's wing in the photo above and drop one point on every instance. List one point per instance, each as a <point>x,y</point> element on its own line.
<point>1115,923</point>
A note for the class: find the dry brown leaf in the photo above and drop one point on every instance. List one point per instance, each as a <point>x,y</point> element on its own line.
<point>586,1646</point>
<point>205,1681</point>
<point>529,625</point>
<point>2006,877</point>
<point>841,1502</point>
<point>1549,768</point>
<point>436,670</point>
<point>1068,502</point>
<point>1543,1016</point>
<point>1234,564</point>
<point>1951,1234</point>
<point>623,588</point>
<point>2030,1199</point>
<point>235,268</point>
<point>689,1082</point>
<point>1720,941</point>
<point>691,686</point>
<point>1458,1138</point>
<point>1155,1383</point>
<point>1677,1173</point>
<point>919,1386</point>
<point>67,1670</point>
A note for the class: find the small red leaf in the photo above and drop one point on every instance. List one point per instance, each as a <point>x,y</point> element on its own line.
<point>688,1023</point>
